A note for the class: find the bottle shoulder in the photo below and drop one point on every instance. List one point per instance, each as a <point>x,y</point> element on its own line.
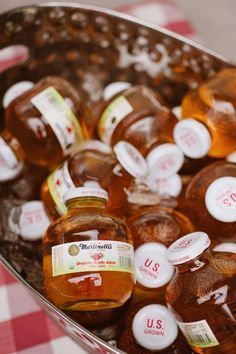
<point>94,223</point>
<point>201,285</point>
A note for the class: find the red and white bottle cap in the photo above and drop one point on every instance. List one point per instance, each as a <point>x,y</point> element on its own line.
<point>228,247</point>
<point>188,247</point>
<point>131,159</point>
<point>16,90</point>
<point>115,87</point>
<point>165,160</point>
<point>10,167</point>
<point>220,199</point>
<point>193,138</point>
<point>154,327</point>
<point>177,111</point>
<point>170,186</point>
<point>33,221</point>
<point>151,267</point>
<point>95,145</point>
<point>82,192</point>
<point>231,157</point>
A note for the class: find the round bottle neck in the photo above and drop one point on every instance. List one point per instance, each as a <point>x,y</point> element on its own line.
<point>85,197</point>
<point>131,159</point>
<point>220,199</point>
<point>114,88</point>
<point>192,137</point>
<point>188,248</point>
<point>154,327</point>
<point>15,91</point>
<point>33,221</point>
<point>165,160</point>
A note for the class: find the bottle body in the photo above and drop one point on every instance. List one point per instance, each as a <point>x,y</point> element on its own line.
<point>149,335</point>
<point>203,301</point>
<point>213,103</point>
<point>99,281</point>
<point>48,121</point>
<point>201,212</point>
<point>83,168</point>
<point>158,224</point>
<point>138,116</point>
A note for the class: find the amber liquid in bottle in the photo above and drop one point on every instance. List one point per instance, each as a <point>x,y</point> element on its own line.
<point>196,205</point>
<point>214,104</point>
<point>146,121</point>
<point>48,121</point>
<point>83,168</point>
<point>86,220</point>
<point>158,224</point>
<point>200,291</point>
<point>153,330</point>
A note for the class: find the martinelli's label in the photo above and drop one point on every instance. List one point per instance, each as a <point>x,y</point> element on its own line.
<point>60,117</point>
<point>112,116</point>
<point>198,334</point>
<point>59,182</point>
<point>86,256</point>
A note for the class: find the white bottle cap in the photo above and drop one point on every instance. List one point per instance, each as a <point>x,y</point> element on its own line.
<point>81,192</point>
<point>170,186</point>
<point>10,167</point>
<point>231,157</point>
<point>96,145</point>
<point>154,327</point>
<point>33,221</point>
<point>229,247</point>
<point>188,247</point>
<point>177,111</point>
<point>220,199</point>
<point>165,160</point>
<point>193,138</point>
<point>131,159</point>
<point>115,87</point>
<point>151,267</point>
<point>16,90</point>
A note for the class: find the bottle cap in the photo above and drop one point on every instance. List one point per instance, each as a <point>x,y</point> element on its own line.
<point>229,247</point>
<point>33,221</point>
<point>165,160</point>
<point>95,145</point>
<point>82,192</point>
<point>177,111</point>
<point>154,327</point>
<point>10,167</point>
<point>151,266</point>
<point>115,87</point>
<point>170,186</point>
<point>193,138</point>
<point>220,199</point>
<point>231,157</point>
<point>16,90</point>
<point>131,159</point>
<point>188,247</point>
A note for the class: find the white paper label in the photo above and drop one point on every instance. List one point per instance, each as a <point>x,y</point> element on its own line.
<point>198,334</point>
<point>112,116</point>
<point>60,182</point>
<point>60,117</point>
<point>86,256</point>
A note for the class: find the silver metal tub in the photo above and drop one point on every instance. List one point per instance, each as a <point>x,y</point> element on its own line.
<point>91,46</point>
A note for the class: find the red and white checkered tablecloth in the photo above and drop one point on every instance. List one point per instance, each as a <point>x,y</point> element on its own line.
<point>24,327</point>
